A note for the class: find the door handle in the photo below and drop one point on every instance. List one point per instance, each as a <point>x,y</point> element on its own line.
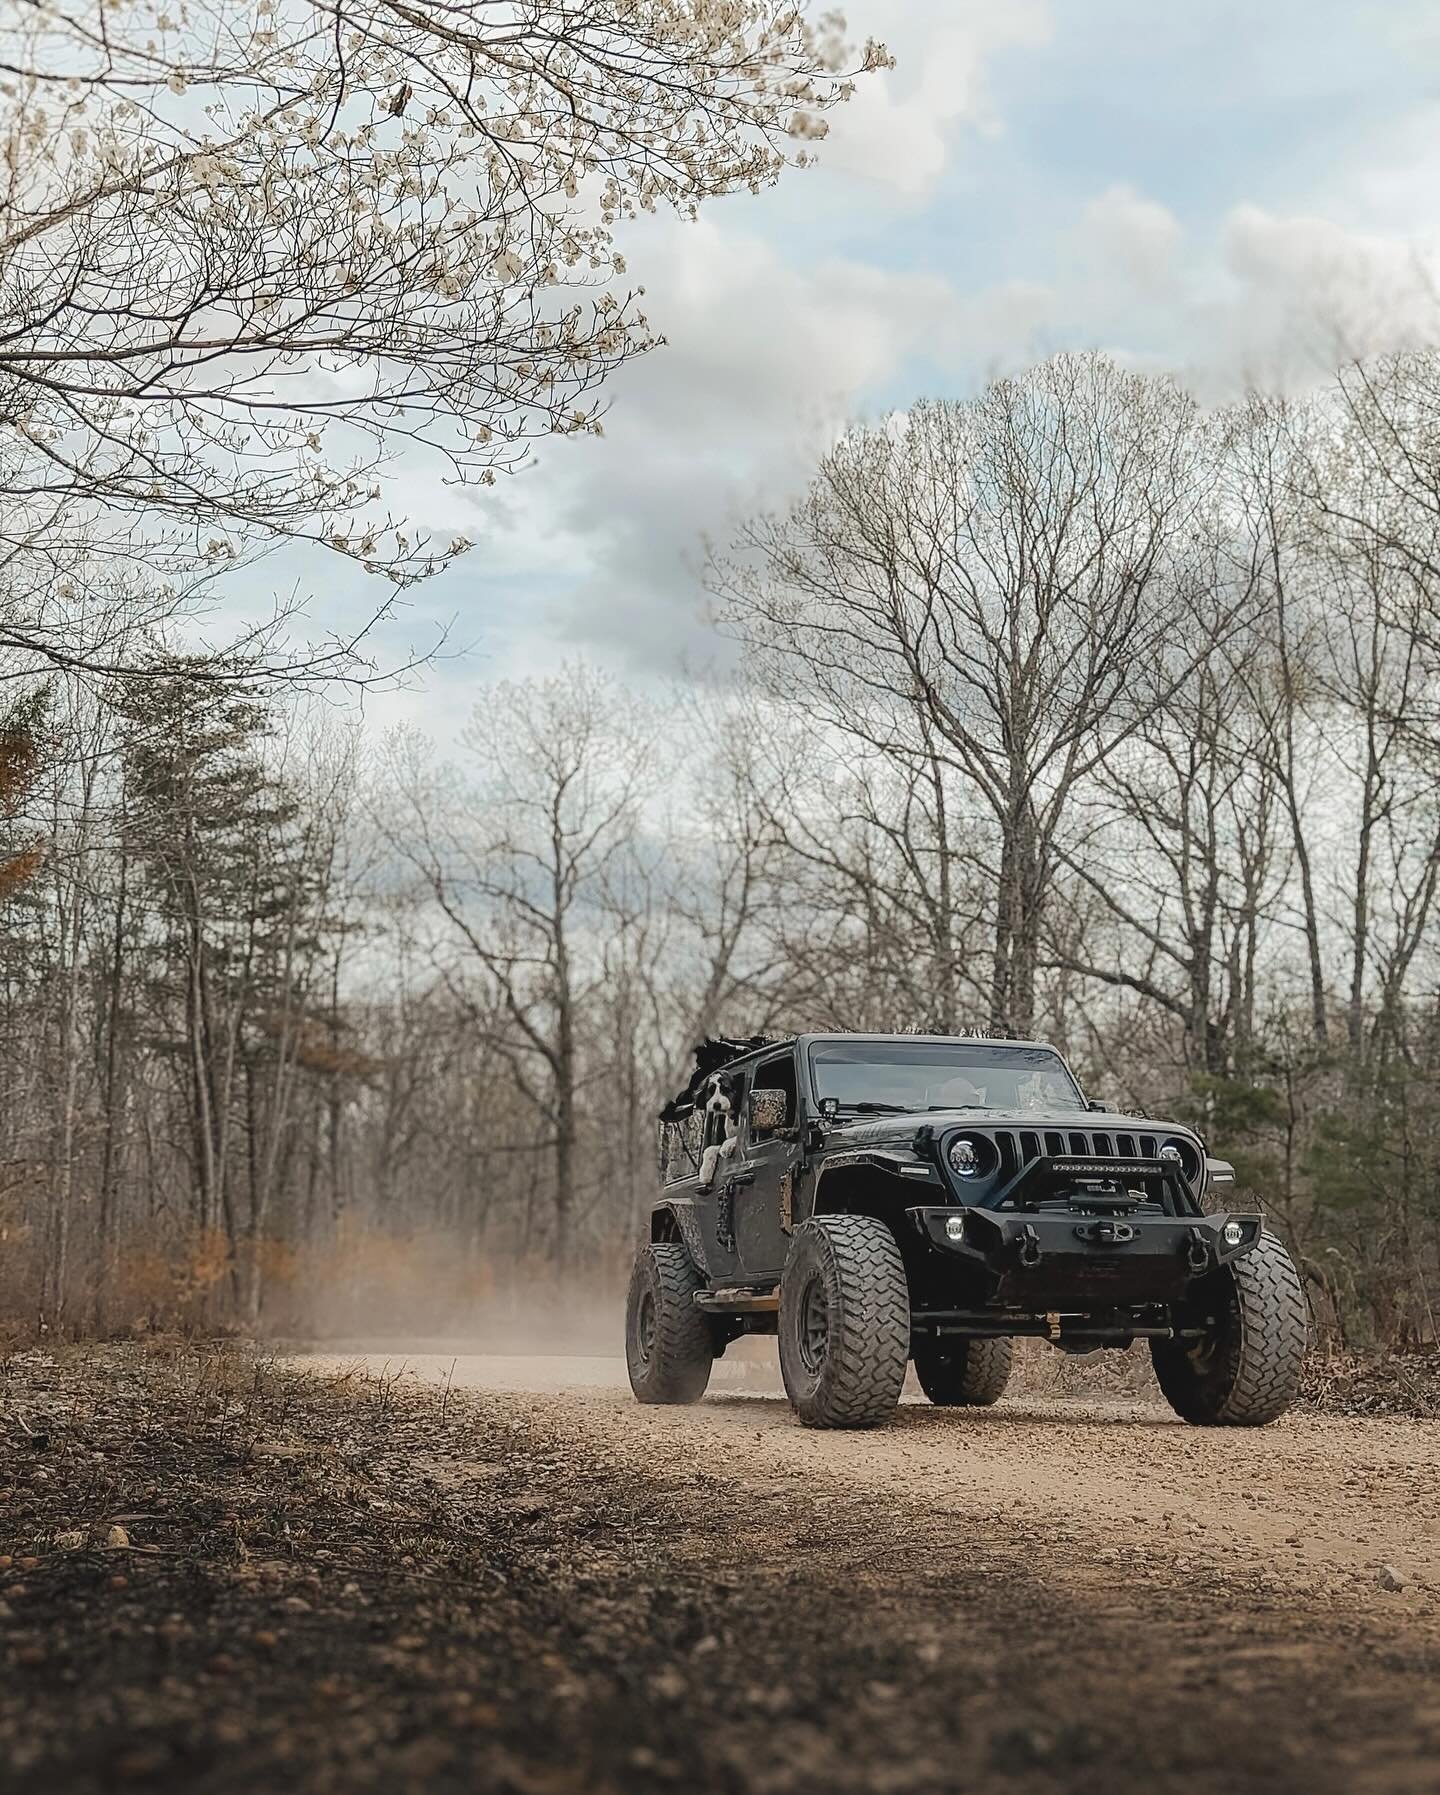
<point>736,1179</point>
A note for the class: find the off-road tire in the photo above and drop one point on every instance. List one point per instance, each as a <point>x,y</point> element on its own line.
<point>1248,1371</point>
<point>963,1374</point>
<point>844,1322</point>
<point>669,1348</point>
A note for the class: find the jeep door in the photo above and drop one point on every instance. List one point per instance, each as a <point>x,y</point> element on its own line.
<point>717,1210</point>
<point>767,1165</point>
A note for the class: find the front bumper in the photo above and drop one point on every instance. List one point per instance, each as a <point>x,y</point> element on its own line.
<point>1073,1259</point>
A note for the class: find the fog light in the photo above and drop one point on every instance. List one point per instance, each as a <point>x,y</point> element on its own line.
<point>955,1227</point>
<point>1233,1234</point>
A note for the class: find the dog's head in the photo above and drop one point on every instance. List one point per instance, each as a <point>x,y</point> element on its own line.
<point>722,1094</point>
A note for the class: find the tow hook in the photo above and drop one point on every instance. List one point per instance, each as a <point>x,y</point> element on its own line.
<point>1105,1234</point>
<point>1197,1252</point>
<point>1029,1246</point>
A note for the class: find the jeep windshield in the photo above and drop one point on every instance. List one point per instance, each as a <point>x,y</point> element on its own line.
<point>876,1076</point>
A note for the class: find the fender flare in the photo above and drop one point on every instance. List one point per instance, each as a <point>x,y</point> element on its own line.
<point>905,1168</point>
<point>675,1219</point>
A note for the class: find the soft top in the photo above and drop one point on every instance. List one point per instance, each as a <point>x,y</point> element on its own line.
<point>716,1052</point>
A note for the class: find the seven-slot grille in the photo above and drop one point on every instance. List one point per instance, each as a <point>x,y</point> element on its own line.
<point>1018,1146</point>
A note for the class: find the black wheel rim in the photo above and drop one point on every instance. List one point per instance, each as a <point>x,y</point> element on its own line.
<point>645,1328</point>
<point>1210,1353</point>
<point>814,1325</point>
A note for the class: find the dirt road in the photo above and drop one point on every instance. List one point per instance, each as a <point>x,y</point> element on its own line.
<point>1058,1594</point>
<point>1316,1505</point>
<point>441,1576</point>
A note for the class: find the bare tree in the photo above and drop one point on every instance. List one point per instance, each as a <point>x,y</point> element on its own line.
<point>515,865</point>
<point>1009,581</point>
<point>1182,859</point>
<point>868,897</point>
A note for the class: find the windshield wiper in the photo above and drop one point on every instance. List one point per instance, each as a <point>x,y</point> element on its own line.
<point>908,1109</point>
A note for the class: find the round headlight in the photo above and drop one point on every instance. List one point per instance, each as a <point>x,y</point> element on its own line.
<point>1181,1154</point>
<point>964,1159</point>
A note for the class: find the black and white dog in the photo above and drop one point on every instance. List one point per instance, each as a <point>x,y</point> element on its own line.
<point>722,1098</point>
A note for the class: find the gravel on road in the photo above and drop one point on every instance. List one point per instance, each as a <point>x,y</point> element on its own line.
<point>223,1574</point>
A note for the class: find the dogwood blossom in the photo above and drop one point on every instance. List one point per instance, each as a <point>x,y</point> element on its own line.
<point>252,250</point>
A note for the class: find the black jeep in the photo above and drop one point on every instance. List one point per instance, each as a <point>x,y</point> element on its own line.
<point>895,1197</point>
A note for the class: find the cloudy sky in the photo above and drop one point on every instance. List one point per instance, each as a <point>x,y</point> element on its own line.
<point>1238,190</point>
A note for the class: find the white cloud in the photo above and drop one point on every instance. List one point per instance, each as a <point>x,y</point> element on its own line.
<point>897,129</point>
<point>773,345</point>
<point>1265,299</point>
<point>598,549</point>
<point>764,362</point>
<point>1343,292</point>
<point>1138,239</point>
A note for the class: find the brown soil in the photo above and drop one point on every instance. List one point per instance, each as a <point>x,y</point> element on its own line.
<point>504,1576</point>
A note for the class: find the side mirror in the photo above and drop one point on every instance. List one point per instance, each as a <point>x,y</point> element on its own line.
<point>767,1112</point>
<point>1100,1103</point>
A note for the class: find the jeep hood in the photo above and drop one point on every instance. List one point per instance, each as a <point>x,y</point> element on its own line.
<point>902,1127</point>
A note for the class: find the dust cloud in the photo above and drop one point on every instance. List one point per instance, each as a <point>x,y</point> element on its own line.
<point>429,1301</point>
<point>424,1303</point>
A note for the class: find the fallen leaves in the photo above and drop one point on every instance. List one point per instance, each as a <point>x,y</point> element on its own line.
<point>1387,1384</point>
